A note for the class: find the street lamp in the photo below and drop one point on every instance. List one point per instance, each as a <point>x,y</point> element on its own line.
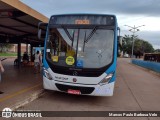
<point>133,29</point>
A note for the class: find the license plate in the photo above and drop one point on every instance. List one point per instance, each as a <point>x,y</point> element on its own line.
<point>77,92</point>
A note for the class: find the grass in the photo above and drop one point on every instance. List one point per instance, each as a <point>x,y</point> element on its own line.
<point>8,54</point>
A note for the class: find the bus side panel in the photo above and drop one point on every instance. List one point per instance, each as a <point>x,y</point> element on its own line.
<point>112,68</point>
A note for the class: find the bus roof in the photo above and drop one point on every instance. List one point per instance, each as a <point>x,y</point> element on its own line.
<point>92,19</point>
<point>81,14</point>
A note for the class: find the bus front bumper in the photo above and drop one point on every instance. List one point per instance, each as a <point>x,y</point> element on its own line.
<point>93,90</point>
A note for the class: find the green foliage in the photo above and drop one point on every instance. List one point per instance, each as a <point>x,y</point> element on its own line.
<point>8,54</point>
<point>157,51</point>
<point>127,44</point>
<point>140,45</point>
<point>4,47</point>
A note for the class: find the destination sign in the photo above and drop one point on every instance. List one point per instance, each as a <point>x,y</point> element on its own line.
<point>82,20</point>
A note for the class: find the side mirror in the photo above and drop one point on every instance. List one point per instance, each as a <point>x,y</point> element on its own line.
<point>42,29</point>
<point>39,33</point>
<point>120,38</point>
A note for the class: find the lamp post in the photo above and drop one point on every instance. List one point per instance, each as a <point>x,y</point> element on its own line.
<point>133,29</point>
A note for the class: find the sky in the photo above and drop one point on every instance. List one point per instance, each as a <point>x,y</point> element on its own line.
<point>129,12</point>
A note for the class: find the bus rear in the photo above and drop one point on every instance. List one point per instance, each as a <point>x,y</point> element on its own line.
<point>80,54</point>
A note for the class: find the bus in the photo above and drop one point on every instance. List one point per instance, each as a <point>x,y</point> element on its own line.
<point>80,54</point>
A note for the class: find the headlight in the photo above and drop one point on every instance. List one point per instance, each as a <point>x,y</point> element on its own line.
<point>47,74</point>
<point>106,79</point>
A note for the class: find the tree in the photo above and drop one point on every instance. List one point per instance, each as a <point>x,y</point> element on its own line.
<point>140,46</point>
<point>127,44</point>
<point>157,51</point>
<point>5,46</point>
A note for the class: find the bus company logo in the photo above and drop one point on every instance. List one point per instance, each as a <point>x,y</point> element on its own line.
<point>75,73</point>
<point>6,113</point>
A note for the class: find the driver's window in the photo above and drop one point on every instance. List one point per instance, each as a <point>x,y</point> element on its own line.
<point>54,42</point>
<point>53,45</point>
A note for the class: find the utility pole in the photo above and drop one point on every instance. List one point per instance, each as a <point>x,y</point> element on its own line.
<point>133,29</point>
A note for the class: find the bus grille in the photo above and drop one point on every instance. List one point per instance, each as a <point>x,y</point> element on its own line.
<point>84,90</point>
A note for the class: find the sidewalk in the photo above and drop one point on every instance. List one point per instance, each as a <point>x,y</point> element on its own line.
<point>18,84</point>
<point>143,85</point>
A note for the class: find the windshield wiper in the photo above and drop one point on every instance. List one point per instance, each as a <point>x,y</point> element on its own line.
<point>84,41</point>
<point>73,37</point>
<point>91,34</point>
<point>69,36</point>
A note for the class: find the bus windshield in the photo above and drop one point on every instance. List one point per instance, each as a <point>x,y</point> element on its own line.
<point>80,47</point>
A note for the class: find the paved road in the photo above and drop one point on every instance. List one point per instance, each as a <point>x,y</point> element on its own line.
<point>136,90</point>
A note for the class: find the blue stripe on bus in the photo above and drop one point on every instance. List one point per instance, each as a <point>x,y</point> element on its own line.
<point>112,68</point>
<point>114,65</point>
<point>45,64</point>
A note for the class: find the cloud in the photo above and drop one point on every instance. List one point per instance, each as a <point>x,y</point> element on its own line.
<point>130,12</point>
<point>153,37</point>
<point>128,7</point>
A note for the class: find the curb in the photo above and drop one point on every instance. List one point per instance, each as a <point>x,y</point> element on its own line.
<point>145,69</point>
<point>31,98</point>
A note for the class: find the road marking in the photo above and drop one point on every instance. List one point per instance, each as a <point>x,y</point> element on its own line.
<point>18,93</point>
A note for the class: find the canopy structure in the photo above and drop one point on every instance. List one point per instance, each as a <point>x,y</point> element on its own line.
<point>19,23</point>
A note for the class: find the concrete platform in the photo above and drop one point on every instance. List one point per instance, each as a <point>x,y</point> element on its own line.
<point>20,85</point>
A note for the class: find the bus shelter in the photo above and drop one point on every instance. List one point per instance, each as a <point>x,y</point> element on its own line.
<point>19,24</point>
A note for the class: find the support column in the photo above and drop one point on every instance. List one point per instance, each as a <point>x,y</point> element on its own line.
<point>27,48</point>
<point>19,54</point>
<point>31,52</point>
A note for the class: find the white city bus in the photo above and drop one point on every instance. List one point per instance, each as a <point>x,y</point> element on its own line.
<point>80,54</point>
